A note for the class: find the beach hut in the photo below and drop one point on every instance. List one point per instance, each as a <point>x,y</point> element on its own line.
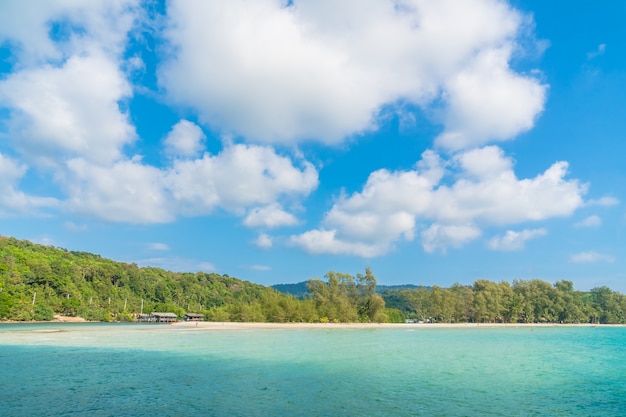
<point>163,317</point>
<point>144,317</point>
<point>194,317</point>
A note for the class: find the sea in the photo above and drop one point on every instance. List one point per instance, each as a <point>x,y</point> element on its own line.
<point>87,369</point>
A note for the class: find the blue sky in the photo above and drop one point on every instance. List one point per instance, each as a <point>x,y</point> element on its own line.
<point>436,142</point>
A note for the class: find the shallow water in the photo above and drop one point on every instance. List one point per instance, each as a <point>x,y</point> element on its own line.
<point>152,370</point>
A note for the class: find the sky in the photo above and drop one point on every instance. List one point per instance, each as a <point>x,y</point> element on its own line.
<point>437,142</point>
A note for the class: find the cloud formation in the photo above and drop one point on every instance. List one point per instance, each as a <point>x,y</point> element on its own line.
<point>12,200</point>
<point>513,240</point>
<point>184,140</point>
<point>67,116</point>
<point>238,178</point>
<point>590,221</point>
<point>282,72</point>
<point>71,109</point>
<point>484,191</point>
<point>591,256</point>
<point>270,216</point>
<point>264,241</point>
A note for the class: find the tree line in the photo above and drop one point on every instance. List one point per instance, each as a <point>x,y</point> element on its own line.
<point>38,281</point>
<point>523,301</point>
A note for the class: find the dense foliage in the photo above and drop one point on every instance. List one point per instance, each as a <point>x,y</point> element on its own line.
<point>346,299</point>
<point>532,301</point>
<point>37,282</point>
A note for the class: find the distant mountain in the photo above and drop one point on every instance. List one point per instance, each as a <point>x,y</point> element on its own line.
<point>383,288</point>
<point>300,290</point>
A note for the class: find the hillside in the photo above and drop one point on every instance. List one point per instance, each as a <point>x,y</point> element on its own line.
<point>37,281</point>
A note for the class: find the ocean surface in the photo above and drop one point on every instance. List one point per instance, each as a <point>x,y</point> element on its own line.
<point>161,370</point>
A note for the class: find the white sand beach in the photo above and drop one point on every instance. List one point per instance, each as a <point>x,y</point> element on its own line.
<point>208,325</point>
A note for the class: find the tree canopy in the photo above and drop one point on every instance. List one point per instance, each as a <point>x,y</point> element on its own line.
<point>38,281</point>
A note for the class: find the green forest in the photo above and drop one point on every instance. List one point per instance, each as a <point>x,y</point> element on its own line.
<point>37,282</point>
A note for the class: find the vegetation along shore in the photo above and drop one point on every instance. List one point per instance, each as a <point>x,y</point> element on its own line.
<point>38,282</point>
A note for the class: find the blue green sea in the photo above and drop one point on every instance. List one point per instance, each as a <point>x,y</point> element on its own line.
<point>160,370</point>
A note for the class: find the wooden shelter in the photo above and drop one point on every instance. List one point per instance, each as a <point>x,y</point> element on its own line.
<point>194,317</point>
<point>163,317</point>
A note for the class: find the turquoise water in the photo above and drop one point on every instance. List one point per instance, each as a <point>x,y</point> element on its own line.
<point>152,370</point>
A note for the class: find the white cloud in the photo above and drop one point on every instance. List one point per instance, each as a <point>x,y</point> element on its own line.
<point>12,200</point>
<point>270,72</point>
<point>501,198</point>
<point>239,177</point>
<point>598,52</point>
<point>486,191</point>
<point>127,191</point>
<point>259,267</point>
<point>606,201</point>
<point>69,110</point>
<point>322,70</point>
<point>236,179</point>
<point>591,221</point>
<point>185,139</point>
<point>75,227</point>
<point>591,256</point>
<point>326,241</point>
<point>264,241</point>
<point>65,95</point>
<point>440,237</point>
<point>481,107</point>
<point>269,216</point>
<point>513,240</point>
<point>157,246</point>
<point>28,27</point>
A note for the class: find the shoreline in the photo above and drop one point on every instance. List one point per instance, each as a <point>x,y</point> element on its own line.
<point>207,325</point>
<point>212,325</point>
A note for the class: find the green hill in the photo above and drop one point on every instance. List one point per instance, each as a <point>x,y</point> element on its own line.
<point>38,281</point>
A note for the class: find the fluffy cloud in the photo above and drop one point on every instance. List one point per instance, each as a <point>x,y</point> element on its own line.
<point>264,241</point>
<point>591,256</point>
<point>513,240</point>
<point>29,26</point>
<point>269,216</point>
<point>68,110</point>
<point>127,191</point>
<point>480,104</point>
<point>326,241</point>
<point>279,72</point>
<point>497,196</point>
<point>440,237</point>
<point>486,192</point>
<point>185,139</point>
<point>238,178</point>
<point>66,103</point>
<point>591,221</point>
<point>64,96</point>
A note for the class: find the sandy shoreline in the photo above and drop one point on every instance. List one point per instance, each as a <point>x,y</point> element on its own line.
<point>207,325</point>
<point>211,325</point>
